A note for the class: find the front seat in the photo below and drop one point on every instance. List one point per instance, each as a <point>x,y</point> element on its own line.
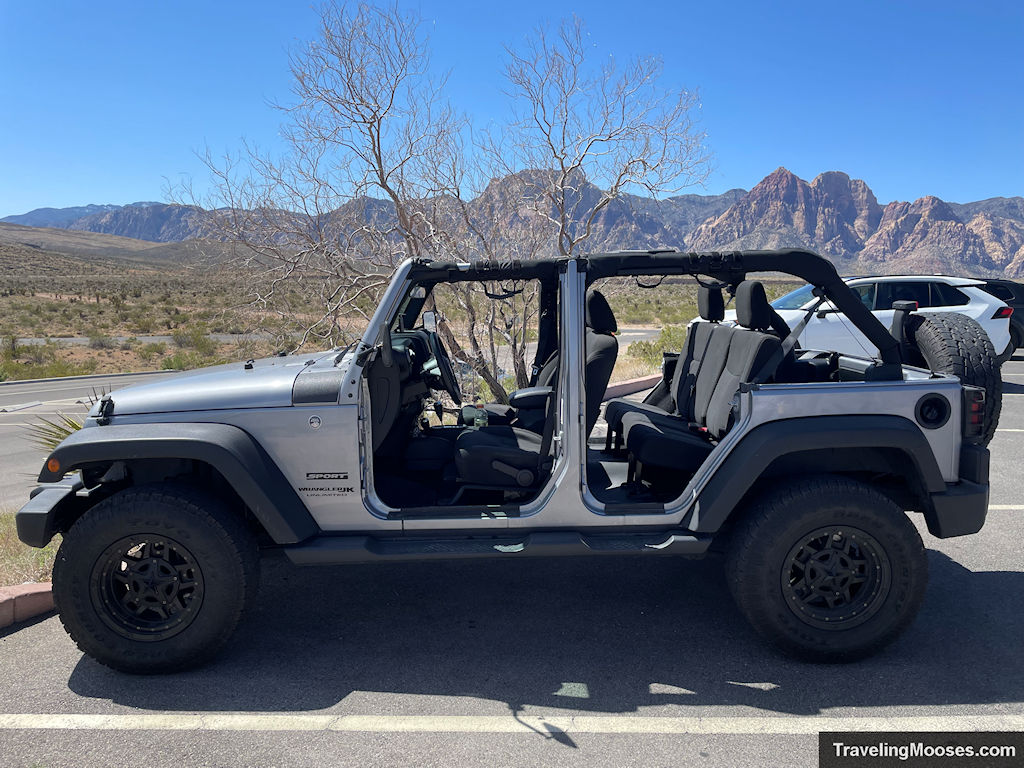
<point>602,349</point>
<point>509,457</point>
<point>526,406</point>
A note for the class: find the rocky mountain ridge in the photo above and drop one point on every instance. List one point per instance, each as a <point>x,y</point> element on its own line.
<point>833,214</point>
<point>840,218</point>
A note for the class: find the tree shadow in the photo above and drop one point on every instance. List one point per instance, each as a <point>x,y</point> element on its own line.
<point>594,635</point>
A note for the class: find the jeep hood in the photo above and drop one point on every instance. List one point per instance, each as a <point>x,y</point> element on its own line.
<point>266,383</point>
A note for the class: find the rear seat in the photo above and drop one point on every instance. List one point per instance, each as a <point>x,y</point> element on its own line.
<point>711,307</point>
<point>734,355</point>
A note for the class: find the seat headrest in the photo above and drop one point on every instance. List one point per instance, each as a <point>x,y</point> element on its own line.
<point>599,315</point>
<point>710,304</point>
<point>752,308</point>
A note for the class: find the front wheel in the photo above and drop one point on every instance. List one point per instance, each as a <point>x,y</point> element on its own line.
<point>827,569</point>
<point>155,578</point>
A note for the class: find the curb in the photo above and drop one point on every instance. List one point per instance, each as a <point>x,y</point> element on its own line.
<point>24,602</point>
<point>631,386</point>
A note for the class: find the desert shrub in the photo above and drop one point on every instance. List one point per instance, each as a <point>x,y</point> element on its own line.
<point>670,339</point>
<point>184,360</point>
<point>15,370</point>
<point>148,351</point>
<point>194,337</point>
<point>100,341</point>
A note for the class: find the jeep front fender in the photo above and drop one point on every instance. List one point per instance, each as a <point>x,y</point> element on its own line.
<point>231,451</point>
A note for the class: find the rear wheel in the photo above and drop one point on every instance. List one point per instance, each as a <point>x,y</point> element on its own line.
<point>827,569</point>
<point>154,579</point>
<point>958,345</point>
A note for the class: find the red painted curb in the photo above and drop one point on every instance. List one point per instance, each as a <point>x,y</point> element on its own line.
<point>23,602</point>
<point>631,386</point>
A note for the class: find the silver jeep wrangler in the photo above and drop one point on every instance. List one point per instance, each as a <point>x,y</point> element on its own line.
<point>799,465</point>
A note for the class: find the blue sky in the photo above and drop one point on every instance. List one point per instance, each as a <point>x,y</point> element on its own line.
<point>99,102</point>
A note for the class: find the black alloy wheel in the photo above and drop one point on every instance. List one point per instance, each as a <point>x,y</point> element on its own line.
<point>836,578</point>
<point>147,588</point>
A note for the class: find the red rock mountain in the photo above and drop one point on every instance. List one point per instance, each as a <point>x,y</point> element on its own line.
<point>840,217</point>
<point>833,214</point>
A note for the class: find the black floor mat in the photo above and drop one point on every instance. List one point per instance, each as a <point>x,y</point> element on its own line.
<point>606,478</point>
<point>403,491</point>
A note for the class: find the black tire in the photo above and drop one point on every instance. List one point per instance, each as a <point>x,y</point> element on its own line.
<point>958,345</point>
<point>827,569</point>
<point>155,578</point>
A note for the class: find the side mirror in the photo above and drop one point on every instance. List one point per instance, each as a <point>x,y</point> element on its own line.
<point>430,321</point>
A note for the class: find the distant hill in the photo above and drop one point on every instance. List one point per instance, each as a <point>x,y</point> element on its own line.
<point>628,218</point>
<point>833,214</point>
<point>156,222</point>
<point>64,217</point>
<point>92,246</point>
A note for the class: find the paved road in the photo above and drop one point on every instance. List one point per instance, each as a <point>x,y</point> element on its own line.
<point>20,461</point>
<point>582,662</point>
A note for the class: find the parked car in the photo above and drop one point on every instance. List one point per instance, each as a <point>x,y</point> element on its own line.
<point>1013,294</point>
<point>830,329</point>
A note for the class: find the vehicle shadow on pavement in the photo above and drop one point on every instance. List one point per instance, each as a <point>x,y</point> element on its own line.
<point>1012,388</point>
<point>594,635</point>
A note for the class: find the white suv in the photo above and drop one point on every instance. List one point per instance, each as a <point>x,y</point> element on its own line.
<point>829,329</point>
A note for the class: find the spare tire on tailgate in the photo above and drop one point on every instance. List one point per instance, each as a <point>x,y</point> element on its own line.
<point>956,344</point>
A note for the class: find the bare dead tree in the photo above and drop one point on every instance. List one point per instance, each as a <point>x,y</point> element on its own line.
<point>319,230</point>
<point>379,167</point>
<point>581,135</point>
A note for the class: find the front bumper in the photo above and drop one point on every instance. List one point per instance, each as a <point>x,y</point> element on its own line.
<point>960,510</point>
<point>37,521</point>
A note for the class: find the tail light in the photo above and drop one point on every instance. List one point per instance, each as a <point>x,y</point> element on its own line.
<point>1003,313</point>
<point>974,413</point>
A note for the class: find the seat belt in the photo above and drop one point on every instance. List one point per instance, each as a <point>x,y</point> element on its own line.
<point>773,362</point>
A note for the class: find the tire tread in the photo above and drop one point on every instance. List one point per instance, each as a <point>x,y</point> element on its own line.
<point>189,501</point>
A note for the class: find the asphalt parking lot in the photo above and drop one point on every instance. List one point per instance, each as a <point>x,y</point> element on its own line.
<point>576,662</point>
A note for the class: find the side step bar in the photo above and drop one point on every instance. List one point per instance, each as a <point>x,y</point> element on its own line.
<point>332,550</point>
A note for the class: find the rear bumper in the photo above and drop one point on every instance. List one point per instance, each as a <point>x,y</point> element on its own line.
<point>960,510</point>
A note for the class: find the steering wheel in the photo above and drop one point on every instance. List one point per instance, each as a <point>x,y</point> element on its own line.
<point>444,367</point>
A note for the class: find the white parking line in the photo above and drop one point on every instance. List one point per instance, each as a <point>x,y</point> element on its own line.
<point>1006,506</point>
<point>798,724</point>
